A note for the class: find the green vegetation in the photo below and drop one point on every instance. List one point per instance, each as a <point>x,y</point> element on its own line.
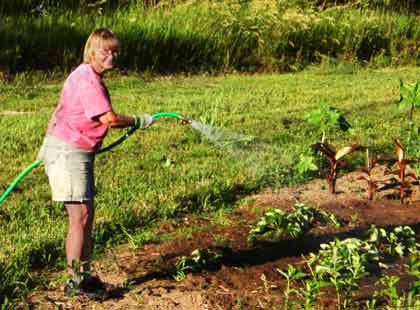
<point>362,49</point>
<point>342,263</point>
<point>409,97</point>
<point>199,259</point>
<point>197,35</point>
<point>170,169</point>
<point>295,224</point>
<point>326,119</point>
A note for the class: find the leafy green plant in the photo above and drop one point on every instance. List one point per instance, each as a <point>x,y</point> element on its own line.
<point>309,293</point>
<point>407,299</point>
<point>295,224</point>
<point>310,289</point>
<point>343,262</point>
<point>307,290</point>
<point>305,164</point>
<point>413,268</point>
<point>401,240</point>
<point>199,259</point>
<point>409,97</point>
<point>371,304</point>
<point>389,290</point>
<point>334,157</point>
<point>398,242</point>
<point>326,119</point>
<point>414,265</point>
<point>292,274</point>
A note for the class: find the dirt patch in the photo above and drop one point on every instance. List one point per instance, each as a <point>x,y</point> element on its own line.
<point>247,275</point>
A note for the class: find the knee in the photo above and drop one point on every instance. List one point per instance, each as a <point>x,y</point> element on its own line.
<point>83,217</point>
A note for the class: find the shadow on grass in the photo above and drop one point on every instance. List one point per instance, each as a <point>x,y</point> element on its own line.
<point>213,198</point>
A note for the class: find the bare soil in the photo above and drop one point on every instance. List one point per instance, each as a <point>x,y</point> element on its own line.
<point>247,277</point>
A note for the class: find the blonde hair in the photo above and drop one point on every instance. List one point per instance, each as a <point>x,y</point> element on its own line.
<point>98,39</point>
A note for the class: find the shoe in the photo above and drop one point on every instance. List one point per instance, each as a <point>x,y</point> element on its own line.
<point>88,285</point>
<point>72,286</point>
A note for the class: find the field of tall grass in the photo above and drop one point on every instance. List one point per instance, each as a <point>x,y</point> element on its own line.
<point>214,36</point>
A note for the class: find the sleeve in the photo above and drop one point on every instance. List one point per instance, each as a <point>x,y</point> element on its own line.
<point>94,97</point>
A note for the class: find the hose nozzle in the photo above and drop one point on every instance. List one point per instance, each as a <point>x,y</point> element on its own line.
<point>184,120</point>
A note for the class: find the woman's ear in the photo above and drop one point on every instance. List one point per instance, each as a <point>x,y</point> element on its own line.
<point>92,55</point>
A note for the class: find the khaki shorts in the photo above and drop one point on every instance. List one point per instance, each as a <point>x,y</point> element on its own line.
<point>69,170</point>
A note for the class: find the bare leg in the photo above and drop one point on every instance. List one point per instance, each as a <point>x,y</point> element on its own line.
<point>79,234</point>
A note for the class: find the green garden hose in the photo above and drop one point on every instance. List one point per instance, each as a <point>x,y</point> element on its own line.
<point>107,148</point>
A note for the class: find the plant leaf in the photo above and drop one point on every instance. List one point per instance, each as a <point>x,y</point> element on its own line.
<point>400,149</point>
<point>346,150</point>
<point>325,149</point>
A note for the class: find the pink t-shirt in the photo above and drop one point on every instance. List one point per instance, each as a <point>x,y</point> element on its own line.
<point>83,97</point>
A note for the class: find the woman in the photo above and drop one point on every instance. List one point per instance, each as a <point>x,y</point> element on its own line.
<point>75,132</point>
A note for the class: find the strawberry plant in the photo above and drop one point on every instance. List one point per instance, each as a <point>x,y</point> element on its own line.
<point>295,224</point>
<point>334,157</point>
<point>401,240</point>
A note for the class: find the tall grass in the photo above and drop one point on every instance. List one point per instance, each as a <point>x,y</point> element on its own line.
<point>41,7</point>
<point>214,35</point>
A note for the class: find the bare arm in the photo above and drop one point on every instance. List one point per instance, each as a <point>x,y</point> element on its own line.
<point>114,120</point>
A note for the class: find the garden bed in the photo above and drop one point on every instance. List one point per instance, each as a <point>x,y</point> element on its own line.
<point>246,276</point>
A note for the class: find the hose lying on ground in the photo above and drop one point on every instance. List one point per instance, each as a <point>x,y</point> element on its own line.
<point>124,137</point>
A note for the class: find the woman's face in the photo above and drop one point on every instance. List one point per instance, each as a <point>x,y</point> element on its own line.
<point>104,58</point>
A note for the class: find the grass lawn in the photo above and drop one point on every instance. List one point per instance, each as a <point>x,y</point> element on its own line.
<point>171,169</point>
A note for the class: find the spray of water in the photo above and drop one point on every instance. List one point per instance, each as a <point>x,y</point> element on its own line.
<point>259,158</point>
<point>222,137</point>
